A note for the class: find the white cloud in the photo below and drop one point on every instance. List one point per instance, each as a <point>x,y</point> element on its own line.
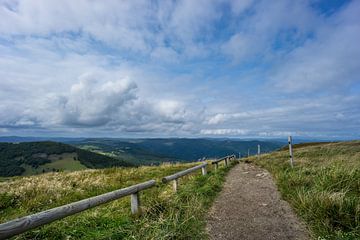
<point>283,134</point>
<point>239,6</point>
<point>182,68</point>
<point>170,108</point>
<point>97,101</point>
<point>163,54</point>
<point>94,103</point>
<point>268,23</point>
<point>224,131</point>
<point>144,27</point>
<point>298,116</point>
<point>240,47</point>
<point>3,130</point>
<point>329,61</point>
<point>121,24</point>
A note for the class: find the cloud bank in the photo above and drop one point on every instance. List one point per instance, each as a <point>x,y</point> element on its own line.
<point>186,68</point>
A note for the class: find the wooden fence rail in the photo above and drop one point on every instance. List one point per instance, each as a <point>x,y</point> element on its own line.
<point>177,175</point>
<point>226,159</point>
<point>20,225</point>
<point>24,224</point>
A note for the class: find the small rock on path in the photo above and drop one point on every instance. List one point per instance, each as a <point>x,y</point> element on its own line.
<point>250,207</point>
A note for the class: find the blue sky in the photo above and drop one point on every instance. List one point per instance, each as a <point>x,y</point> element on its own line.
<point>214,68</point>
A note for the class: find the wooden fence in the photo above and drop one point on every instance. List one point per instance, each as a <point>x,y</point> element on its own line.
<point>225,159</point>
<point>178,175</point>
<point>20,225</point>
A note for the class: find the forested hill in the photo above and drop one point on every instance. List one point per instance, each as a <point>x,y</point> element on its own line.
<point>191,149</point>
<point>28,158</point>
<point>175,149</point>
<point>36,157</point>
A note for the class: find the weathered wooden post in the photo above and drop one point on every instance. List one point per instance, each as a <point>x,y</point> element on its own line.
<point>216,166</point>
<point>226,161</point>
<point>203,170</point>
<point>175,185</point>
<point>135,203</point>
<point>291,151</point>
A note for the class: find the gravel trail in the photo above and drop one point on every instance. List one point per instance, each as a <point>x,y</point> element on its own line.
<point>250,207</point>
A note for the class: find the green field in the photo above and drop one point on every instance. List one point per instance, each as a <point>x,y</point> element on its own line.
<point>59,162</point>
<point>323,187</point>
<point>28,158</point>
<point>167,215</point>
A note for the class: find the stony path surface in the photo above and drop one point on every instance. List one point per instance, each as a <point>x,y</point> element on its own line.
<point>250,207</point>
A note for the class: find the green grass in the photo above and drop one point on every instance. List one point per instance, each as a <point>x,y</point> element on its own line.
<point>323,187</point>
<point>59,162</point>
<point>166,215</point>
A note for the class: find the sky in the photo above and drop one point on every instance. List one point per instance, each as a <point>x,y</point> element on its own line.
<point>204,68</point>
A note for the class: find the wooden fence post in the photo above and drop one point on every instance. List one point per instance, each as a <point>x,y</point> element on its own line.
<point>291,151</point>
<point>175,185</point>
<point>135,203</point>
<point>203,170</point>
<point>226,161</point>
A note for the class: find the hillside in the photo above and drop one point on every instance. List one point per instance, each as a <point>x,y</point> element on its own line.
<point>167,215</point>
<point>39,157</point>
<point>28,158</point>
<point>147,151</point>
<point>323,187</point>
<point>123,150</point>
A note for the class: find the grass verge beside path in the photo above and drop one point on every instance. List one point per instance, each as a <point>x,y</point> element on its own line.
<point>167,215</point>
<point>323,187</point>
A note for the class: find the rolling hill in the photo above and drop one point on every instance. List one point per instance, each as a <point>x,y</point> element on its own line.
<point>30,158</point>
<point>323,189</point>
<point>148,151</point>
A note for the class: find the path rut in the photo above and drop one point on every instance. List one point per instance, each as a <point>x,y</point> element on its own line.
<point>250,207</point>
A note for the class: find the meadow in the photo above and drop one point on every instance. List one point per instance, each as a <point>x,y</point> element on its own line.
<point>166,215</point>
<point>323,187</point>
<point>59,162</point>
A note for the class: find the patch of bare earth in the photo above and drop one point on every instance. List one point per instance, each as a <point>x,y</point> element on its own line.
<point>250,207</point>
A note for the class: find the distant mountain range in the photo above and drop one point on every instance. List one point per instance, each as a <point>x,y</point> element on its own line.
<point>22,156</point>
<point>75,139</point>
<point>17,139</point>
<point>146,151</point>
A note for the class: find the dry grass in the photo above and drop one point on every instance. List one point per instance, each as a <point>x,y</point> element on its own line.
<point>323,187</point>
<point>166,215</point>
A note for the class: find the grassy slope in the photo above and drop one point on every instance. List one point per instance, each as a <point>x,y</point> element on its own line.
<point>167,215</point>
<point>323,187</point>
<point>61,162</point>
<point>135,157</point>
<point>15,156</point>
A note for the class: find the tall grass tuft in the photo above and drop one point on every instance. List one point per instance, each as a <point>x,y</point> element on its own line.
<point>323,187</point>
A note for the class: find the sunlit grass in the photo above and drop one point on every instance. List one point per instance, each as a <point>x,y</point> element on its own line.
<point>167,215</point>
<point>323,187</point>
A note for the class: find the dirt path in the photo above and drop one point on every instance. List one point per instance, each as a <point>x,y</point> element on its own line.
<point>250,207</point>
